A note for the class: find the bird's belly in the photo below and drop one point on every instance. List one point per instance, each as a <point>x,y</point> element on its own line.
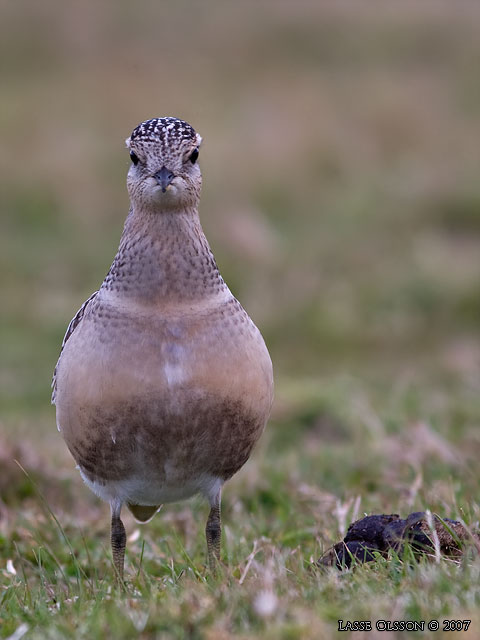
<point>169,442</point>
<point>163,415</point>
<point>140,488</point>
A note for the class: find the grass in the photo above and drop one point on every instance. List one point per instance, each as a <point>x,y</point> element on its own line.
<point>341,200</point>
<point>322,463</point>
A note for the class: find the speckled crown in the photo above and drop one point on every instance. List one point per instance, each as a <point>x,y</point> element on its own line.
<point>166,132</point>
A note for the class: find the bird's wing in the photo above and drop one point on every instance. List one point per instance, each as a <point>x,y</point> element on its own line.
<point>77,318</point>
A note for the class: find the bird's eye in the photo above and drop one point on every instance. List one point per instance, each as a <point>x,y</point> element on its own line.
<point>134,157</point>
<point>194,156</point>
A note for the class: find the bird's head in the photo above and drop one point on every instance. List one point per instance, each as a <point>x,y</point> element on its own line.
<point>164,174</point>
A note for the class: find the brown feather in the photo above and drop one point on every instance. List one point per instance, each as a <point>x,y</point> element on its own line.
<point>141,512</point>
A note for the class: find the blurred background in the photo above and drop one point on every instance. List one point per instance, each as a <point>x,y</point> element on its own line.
<point>341,198</point>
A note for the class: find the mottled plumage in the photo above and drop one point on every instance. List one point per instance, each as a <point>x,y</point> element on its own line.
<point>163,384</point>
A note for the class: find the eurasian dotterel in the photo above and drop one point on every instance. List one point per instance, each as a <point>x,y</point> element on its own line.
<point>163,384</point>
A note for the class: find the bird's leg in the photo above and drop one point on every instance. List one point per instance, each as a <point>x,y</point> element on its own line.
<point>213,532</point>
<point>119,539</point>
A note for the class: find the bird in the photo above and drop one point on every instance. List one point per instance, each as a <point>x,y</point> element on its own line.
<point>163,384</point>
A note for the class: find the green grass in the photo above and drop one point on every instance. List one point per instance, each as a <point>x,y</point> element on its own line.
<point>341,199</point>
<point>322,463</point>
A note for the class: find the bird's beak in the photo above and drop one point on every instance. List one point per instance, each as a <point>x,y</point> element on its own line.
<point>164,178</point>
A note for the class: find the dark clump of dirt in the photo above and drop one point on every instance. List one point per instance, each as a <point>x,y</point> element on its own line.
<point>378,534</point>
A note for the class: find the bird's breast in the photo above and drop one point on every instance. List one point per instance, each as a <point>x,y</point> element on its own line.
<point>117,350</point>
